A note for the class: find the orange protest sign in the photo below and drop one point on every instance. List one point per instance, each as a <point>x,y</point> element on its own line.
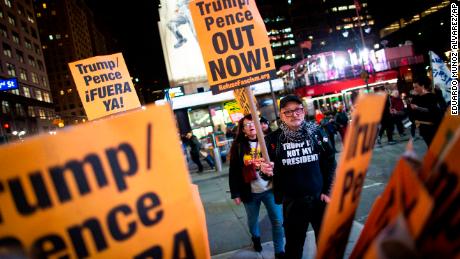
<point>104,85</point>
<point>350,174</point>
<point>440,238</point>
<point>443,136</point>
<point>404,195</point>
<point>106,189</point>
<point>234,43</point>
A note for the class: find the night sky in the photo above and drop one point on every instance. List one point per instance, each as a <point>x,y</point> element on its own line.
<point>134,26</point>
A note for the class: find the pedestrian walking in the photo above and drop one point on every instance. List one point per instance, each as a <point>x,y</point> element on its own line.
<point>195,146</point>
<point>303,166</point>
<point>251,188</point>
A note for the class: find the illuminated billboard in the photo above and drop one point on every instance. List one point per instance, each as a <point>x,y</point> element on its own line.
<point>182,54</point>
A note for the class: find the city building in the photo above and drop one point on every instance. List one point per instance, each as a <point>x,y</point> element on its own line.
<point>425,25</point>
<point>68,33</point>
<point>28,109</point>
<point>279,28</point>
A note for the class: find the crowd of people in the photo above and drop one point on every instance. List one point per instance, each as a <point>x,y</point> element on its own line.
<point>295,184</point>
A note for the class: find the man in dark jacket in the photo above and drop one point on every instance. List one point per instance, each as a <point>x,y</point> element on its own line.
<point>195,150</point>
<point>303,166</point>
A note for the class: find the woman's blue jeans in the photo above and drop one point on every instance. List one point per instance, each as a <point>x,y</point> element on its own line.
<point>275,213</point>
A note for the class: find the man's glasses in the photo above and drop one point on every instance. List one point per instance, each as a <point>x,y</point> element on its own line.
<point>290,113</point>
<point>249,124</point>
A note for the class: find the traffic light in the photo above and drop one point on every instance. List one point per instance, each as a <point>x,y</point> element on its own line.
<point>7,127</point>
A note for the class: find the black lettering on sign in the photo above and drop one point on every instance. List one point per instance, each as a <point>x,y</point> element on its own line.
<point>351,184</point>
<point>28,203</point>
<point>154,252</point>
<point>76,235</point>
<point>249,61</point>
<point>114,227</point>
<point>364,132</point>
<point>118,173</point>
<point>145,204</point>
<point>23,204</point>
<point>49,245</point>
<point>337,242</point>
<point>182,246</point>
<point>76,168</point>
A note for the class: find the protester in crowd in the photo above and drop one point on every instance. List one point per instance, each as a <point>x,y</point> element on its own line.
<point>397,111</point>
<point>386,123</point>
<point>265,125</point>
<point>207,157</point>
<point>303,166</point>
<point>341,120</point>
<point>195,146</point>
<point>329,126</point>
<point>247,185</point>
<point>425,109</point>
<point>319,116</point>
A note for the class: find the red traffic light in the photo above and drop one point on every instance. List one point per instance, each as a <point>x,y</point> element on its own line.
<point>6,125</point>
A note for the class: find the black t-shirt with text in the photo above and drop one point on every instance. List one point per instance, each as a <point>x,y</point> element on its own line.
<point>301,169</point>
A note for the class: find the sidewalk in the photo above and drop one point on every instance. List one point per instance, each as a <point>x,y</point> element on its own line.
<point>226,222</point>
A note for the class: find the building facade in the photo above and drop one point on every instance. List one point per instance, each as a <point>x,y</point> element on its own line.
<point>27,110</point>
<point>68,33</point>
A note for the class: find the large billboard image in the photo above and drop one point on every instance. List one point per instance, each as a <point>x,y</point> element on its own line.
<point>184,62</point>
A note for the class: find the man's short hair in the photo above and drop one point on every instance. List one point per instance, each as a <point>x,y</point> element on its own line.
<point>289,98</point>
<point>423,81</point>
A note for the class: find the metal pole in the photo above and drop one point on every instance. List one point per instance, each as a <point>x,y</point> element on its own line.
<point>364,46</point>
<point>216,151</point>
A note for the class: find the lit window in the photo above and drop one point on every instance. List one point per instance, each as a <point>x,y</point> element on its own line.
<point>31,111</point>
<point>46,97</point>
<point>23,74</point>
<point>342,8</point>
<point>58,36</point>
<point>351,7</point>
<point>8,3</point>
<point>20,110</point>
<point>3,31</point>
<point>50,37</point>
<point>11,69</point>
<point>15,91</point>
<point>41,113</point>
<point>26,91</point>
<point>69,90</point>
<point>334,9</point>
<point>34,77</point>
<point>61,92</point>
<point>39,15</point>
<point>5,107</point>
<point>6,50</point>
<point>44,5</point>
<point>11,20</point>
<point>38,95</point>
<point>28,44</point>
<point>15,37</point>
<point>53,12</point>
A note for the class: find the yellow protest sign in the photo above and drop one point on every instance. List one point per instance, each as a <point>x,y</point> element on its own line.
<point>114,188</point>
<point>234,43</point>
<point>440,141</point>
<point>440,236</point>
<point>234,110</point>
<point>350,174</point>
<point>404,195</point>
<point>104,85</point>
